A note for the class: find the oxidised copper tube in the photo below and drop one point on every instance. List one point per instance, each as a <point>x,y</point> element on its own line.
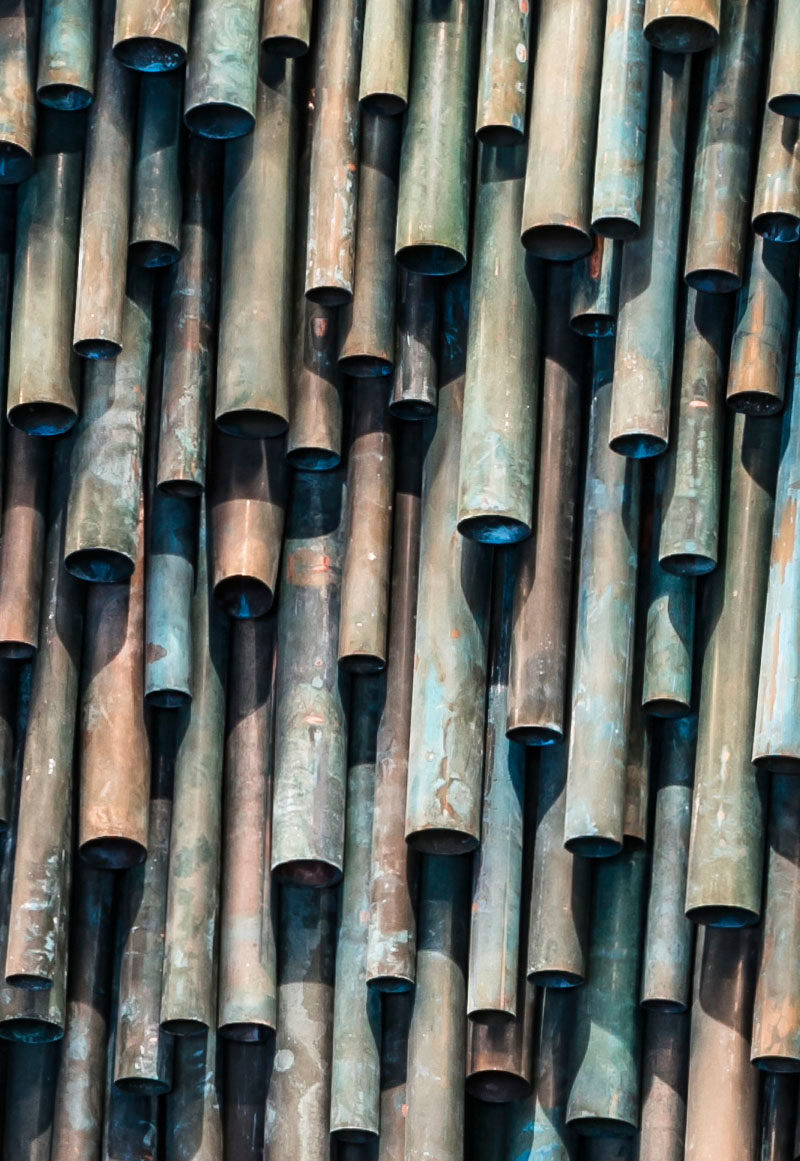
<point>22,544</point>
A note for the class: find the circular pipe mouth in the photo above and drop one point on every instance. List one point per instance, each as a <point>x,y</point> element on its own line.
<point>291,46</point>
<point>681,34</point>
<point>252,423</point>
<point>687,563</point>
<point>435,260</point>
<point>42,418</point>
<point>219,119</point>
<point>493,529</point>
<point>244,597</point>
<point>412,409</point>
<point>365,366</point>
<point>26,1030</point>
<point>67,97</point>
<point>97,348</point>
<point>593,846</point>
<point>152,253</point>
<point>168,698</point>
<point>99,565</point>
<point>497,1087</point>
<point>553,978</point>
<point>308,873</point>
<point>638,445</point>
<point>557,243</point>
<point>16,163</point>
<point>755,403</point>
<point>594,326</point>
<point>144,1085</point>
<point>363,663</point>
<point>185,1027</point>
<point>666,707</point>
<point>313,459</point>
<point>616,228</point>
<point>717,915</point>
<point>149,54</point>
<point>113,853</point>
<point>247,1032</point>
<point>712,280</point>
<point>441,841</point>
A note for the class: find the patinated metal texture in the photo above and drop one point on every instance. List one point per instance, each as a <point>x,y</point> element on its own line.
<point>193,1130</point>
<point>222,71</point>
<point>682,25</point>
<point>17,97</point>
<point>169,587</point>
<point>783,90</point>
<point>286,26</point>
<point>595,289</point>
<point>500,1058</point>
<point>415,386</point>
<point>776,200</point>
<point>383,86</point>
<point>246,1076</point>
<point>152,36</point>
<point>503,77</point>
<point>67,48</point>
<point>665,1066</point>
<point>538,1129</point>
<point>394,1054</point>
<point>22,544</point>
<point>155,229</point>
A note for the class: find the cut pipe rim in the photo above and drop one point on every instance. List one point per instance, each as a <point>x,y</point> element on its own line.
<point>288,46</point>
<point>722,915</point>
<point>244,596</point>
<point>681,34</point>
<point>220,120</point>
<point>666,707</point>
<point>436,260</point>
<point>786,104</point>
<point>777,226</point>
<point>100,565</point>
<point>497,1086</point>
<point>44,418</point>
<point>247,1031</point>
<point>149,54</point>
<point>113,852</point>
<point>252,422</point>
<point>97,348</point>
<point>557,241</point>
<point>493,528</point>
<point>143,1085</point>
<point>308,872</point>
<point>713,280</point>
<point>16,163</point>
<point>152,253</point>
<point>687,563</point>
<point>615,227</point>
<point>386,104</point>
<point>753,402</point>
<point>597,325</point>
<point>638,445</point>
<point>313,459</point>
<point>441,840</point>
<point>69,98</point>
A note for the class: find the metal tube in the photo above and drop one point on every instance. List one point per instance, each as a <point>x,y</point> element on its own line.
<point>286,26</point>
<point>778,1110</point>
<point>67,47</point>
<point>595,290</point>
<point>222,71</point>
<point>503,73</point>
<point>190,338</point>
<point>397,1008</point>
<point>445,764</point>
<point>253,367</point>
<point>189,986</point>
<point>102,533</point>
<point>783,89</point>
<point>621,122</point>
<point>103,244</point>
<point>433,208</point>
<point>689,538</point>
<point>716,244</point>
<point>247,1072</point>
<point>366,329</point>
<point>726,849</point>
<point>355,1071</point>
<point>435,1085</point>
<point>383,86</point>
<point>43,375</point>
<point>538,1129</point>
<point>248,970</point>
<point>131,1129</point>
<point>604,1094</point>
<point>669,936</point>
<point>759,351</point>
<point>14,688</point>
<point>682,25</point>
<point>776,200</point>
<point>152,38</point>
<point>665,1068</point>
<point>22,544</point>
<point>8,223</point>
<point>308,819</point>
<point>391,950</point>
<point>498,433</point>
<point>500,1051</point>
<point>192,1107</point>
<point>648,289</point>
<point>32,1073</point>
<point>593,820</point>
<point>17,97</point>
<point>155,230</point>
<point>538,672</point>
<point>415,386</point>
<point>170,583</point>
<point>639,737</point>
<point>557,208</point>
<point>366,575</point>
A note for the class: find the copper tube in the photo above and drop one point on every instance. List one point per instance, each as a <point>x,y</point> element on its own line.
<point>22,544</point>
<point>155,229</point>
<point>17,98</point>
<point>682,25</point>
<point>151,37</point>
<point>415,385</point>
<point>286,26</point>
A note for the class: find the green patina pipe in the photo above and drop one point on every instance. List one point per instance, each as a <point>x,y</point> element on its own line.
<point>415,386</point>
<point>222,72</point>
<point>152,36</point>
<point>155,229</point>
<point>386,52</point>
<point>503,74</point>
<point>595,290</point>
<point>67,47</point>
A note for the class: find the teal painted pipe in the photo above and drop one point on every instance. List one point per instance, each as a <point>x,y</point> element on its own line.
<point>595,290</point>
<point>67,47</point>
<point>415,385</point>
<point>170,584</point>
<point>152,38</point>
<point>776,199</point>
<point>17,97</point>
<point>222,71</point>
<point>503,75</point>
<point>665,1067</point>
<point>155,229</point>
<point>783,90</point>
<point>385,57</point>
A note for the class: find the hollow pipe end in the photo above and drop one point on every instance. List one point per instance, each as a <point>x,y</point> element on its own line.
<point>386,104</point>
<point>43,419</point>
<point>248,1031</point>
<point>593,846</point>
<point>362,663</point>
<point>493,528</point>
<point>220,120</point>
<point>353,1134</point>
<point>96,348</point>
<point>308,872</point>
<point>252,422</point>
<point>589,1125</point>
<point>435,840</point>
<point>152,253</point>
<point>364,366</point>
<point>313,459</point>
<point>68,98</point>
<point>637,445</point>
<point>29,982</point>
<point>713,280</point>
<point>290,46</point>
<point>149,54</point>
<point>665,1004</point>
<point>681,34</point>
<point>244,597</point>
<point>143,1085</point>
<point>500,134</point>
<point>785,104</point>
<point>783,763</point>
<point>168,698</point>
<point>497,1086</point>
<point>594,326</point>
<point>17,650</point>
<point>782,1064</point>
<point>16,163</point>
<point>99,565</point>
<point>555,978</point>
<point>411,409</point>
<point>185,1026</point>
<point>557,242</point>
<point>535,733</point>
<point>332,294</point>
<point>687,563</point>
<point>616,227</point>
<point>666,707</point>
<point>29,1030</point>
<point>185,488</point>
<point>436,260</point>
<point>113,852</point>
<point>777,227</point>
<point>755,402</point>
<point>393,984</point>
<point>722,915</point>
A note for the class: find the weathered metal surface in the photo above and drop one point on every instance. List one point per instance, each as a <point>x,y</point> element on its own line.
<point>726,849</point>
<point>192,1111</point>
<point>638,746</point>
<point>415,386</point>
<point>155,230</point>
<point>445,764</point>
<point>776,199</point>
<point>665,1065</point>
<point>17,98</point>
<point>247,968</point>
<point>43,375</point>
<point>67,47</point>
<point>286,26</point>
<point>593,821</point>
<point>783,89</point>
<point>247,1071</point>
<point>22,544</point>
<point>32,1072</point>
<point>557,207</point>
<point>222,71</point>
<point>503,76</point>
<point>595,290</point>
<point>170,583</point>
<point>397,1009</point>
<point>383,85</point>
<point>716,244</point>
<point>255,290</point>
<point>538,1129</point>
<point>648,289</point>
<point>152,37</point>
<point>500,1050</point>
<point>433,209</point>
<point>14,689</point>
<point>682,25</point>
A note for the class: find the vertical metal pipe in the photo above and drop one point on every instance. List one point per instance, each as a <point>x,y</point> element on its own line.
<point>648,289</point>
<point>500,1051</point>
<point>776,199</point>
<point>308,818</point>
<point>155,230</point>
<point>192,1107</point>
<point>32,1072</point>
<point>22,544</point>
<point>366,574</point>
<point>397,1009</point>
<point>783,89</point>
<point>14,688</point>
<point>101,539</point>
<point>103,244</point>
<point>498,434</point>
<point>778,1111</point>
<point>255,289</point>
<point>43,375</point>
<point>286,26</point>
<point>152,38</point>
<point>639,740</point>
<point>383,85</point>
<point>433,208</point>
<point>716,244</point>
<point>247,1072</point>
<point>17,97</point>
<point>415,385</point>
<point>682,25</point>
<point>621,122</point>
<point>539,1131</point>
<point>391,950</point>
<point>435,1084</point>
<point>503,73</point>
<point>222,71</point>
<point>543,598</point>
<point>726,849</point>
<point>688,541</point>
<point>557,207</point>
<point>445,764</point>
<point>168,605</point>
<point>759,350</point>
<point>595,290</point>
<point>593,820</point>
<point>665,1067</point>
<point>8,216</point>
<point>67,48</point>
<point>131,1125</point>
<point>669,936</point>
<point>247,972</point>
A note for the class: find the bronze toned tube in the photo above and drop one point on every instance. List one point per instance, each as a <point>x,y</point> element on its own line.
<point>500,1051</point>
<point>364,616</point>
<point>682,25</point>
<point>247,507</point>
<point>437,1037</point>
<point>142,1061</point>
<point>222,71</point>
<point>726,849</point>
<point>67,49</point>
<point>445,763</point>
<point>662,1120</point>
<point>151,37</point>
<point>8,223</point>
<point>298,1102</point>
<point>595,290</point>
<point>36,956</point>
<point>168,606</point>
<point>22,544</point>
<point>253,367</point>
<point>155,231</point>
<point>103,246</point>
<point>722,1102</point>
<point>366,328</point>
<point>189,342</point>
<point>333,180</point>
<point>776,200</point>
<point>503,75</point>
<point>776,1013</point>
<point>557,209</point>
<point>648,288</point>
<point>78,1112</point>
<point>385,56</point>
<point>247,972</point>
<point>783,90</point>
<point>716,244</point>
<point>543,599</point>
<point>436,160</point>
<point>759,351</point>
<point>394,1055</point>
<point>415,385</point>
<point>17,99</point>
<point>43,384</point>
<point>391,950</point>
<point>594,814</point>
<point>101,540</point>
<point>192,1107</point>
<point>286,26</point>
<point>29,1099</point>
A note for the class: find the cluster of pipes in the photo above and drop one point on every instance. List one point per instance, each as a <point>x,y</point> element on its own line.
<point>399,580</point>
